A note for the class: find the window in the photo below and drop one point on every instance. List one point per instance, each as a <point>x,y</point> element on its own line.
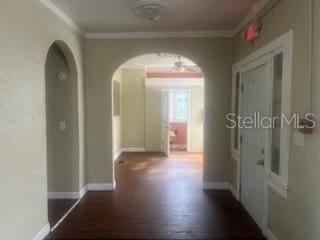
<point>235,132</point>
<point>236,111</point>
<point>179,106</point>
<point>276,112</point>
<point>280,135</point>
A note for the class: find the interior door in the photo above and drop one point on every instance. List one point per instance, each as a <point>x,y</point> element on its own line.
<point>165,127</point>
<point>254,100</point>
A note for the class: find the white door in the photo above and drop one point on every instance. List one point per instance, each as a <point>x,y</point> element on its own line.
<point>165,127</point>
<point>254,99</point>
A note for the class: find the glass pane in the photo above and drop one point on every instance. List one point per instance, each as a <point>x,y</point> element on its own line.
<point>236,112</point>
<point>171,106</point>
<point>181,101</point>
<point>276,112</point>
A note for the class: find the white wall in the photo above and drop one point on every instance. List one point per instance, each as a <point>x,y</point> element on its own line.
<point>61,105</point>
<point>28,29</point>
<point>196,119</point>
<point>104,56</point>
<point>133,108</point>
<point>296,217</point>
<point>117,120</point>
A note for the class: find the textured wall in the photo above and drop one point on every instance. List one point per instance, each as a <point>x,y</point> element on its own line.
<point>133,108</point>
<point>153,119</point>
<point>311,178</point>
<point>61,105</point>
<point>103,57</point>
<point>117,120</point>
<point>27,31</point>
<point>196,119</point>
<point>294,218</point>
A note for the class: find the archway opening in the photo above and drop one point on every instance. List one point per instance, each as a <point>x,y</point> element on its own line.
<point>62,131</point>
<point>158,119</point>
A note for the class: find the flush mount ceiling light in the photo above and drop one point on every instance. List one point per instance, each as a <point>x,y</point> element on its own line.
<point>152,10</point>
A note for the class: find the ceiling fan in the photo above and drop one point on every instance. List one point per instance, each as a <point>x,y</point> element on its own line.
<point>180,66</point>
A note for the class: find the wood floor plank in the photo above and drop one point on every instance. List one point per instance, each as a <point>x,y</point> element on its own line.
<point>158,198</point>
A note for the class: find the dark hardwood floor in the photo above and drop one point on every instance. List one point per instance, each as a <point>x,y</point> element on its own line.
<point>57,208</point>
<point>158,198</point>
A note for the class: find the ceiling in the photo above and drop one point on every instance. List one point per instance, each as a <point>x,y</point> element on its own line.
<point>156,61</point>
<point>115,16</point>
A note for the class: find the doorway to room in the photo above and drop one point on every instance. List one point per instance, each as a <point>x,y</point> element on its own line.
<point>175,120</point>
<point>158,106</point>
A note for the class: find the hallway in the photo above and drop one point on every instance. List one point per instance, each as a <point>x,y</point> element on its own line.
<point>158,198</point>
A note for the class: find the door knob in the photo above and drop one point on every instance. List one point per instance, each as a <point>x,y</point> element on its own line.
<point>260,162</point>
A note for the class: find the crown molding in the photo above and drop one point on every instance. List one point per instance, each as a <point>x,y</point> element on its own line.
<point>61,15</point>
<point>255,11</point>
<point>175,34</point>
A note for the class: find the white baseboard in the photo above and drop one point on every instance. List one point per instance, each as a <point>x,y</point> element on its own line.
<point>83,191</point>
<point>42,233</point>
<point>71,195</point>
<point>117,154</point>
<point>270,235</point>
<point>68,195</point>
<point>133,149</point>
<point>65,215</point>
<point>63,195</point>
<point>221,186</point>
<point>100,186</point>
<point>234,192</point>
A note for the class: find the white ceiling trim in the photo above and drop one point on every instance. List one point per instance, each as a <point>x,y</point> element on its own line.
<point>62,15</point>
<point>175,34</point>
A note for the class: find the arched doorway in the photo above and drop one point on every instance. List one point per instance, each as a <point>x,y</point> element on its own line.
<point>62,131</point>
<point>158,107</point>
<point>104,57</point>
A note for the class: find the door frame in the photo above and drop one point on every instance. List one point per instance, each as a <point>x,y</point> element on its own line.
<point>161,119</point>
<point>264,61</point>
<point>285,44</point>
<point>188,113</point>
